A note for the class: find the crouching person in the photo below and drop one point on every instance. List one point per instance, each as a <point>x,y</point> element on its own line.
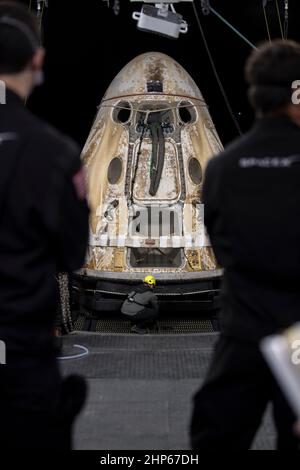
<point>141,307</point>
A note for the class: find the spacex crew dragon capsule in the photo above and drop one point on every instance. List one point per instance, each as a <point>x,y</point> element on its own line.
<point>145,158</point>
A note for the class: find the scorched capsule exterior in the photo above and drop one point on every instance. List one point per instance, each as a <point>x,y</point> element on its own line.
<point>145,159</point>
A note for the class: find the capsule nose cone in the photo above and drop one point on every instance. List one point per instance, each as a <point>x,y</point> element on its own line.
<point>156,73</point>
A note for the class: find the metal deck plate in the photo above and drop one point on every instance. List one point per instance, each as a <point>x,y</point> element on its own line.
<point>141,390</point>
<point>166,326</point>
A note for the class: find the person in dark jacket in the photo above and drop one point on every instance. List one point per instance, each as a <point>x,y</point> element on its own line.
<point>141,307</point>
<point>252,214</point>
<point>44,231</point>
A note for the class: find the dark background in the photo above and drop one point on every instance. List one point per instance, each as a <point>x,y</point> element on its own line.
<point>87,45</point>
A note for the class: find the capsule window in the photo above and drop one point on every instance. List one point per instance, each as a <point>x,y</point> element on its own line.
<point>115,170</point>
<point>195,171</point>
<point>122,112</point>
<point>187,113</point>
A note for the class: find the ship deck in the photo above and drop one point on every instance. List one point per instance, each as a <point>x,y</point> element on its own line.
<point>141,389</point>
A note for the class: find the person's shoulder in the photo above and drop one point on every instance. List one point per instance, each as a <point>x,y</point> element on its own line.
<point>142,288</point>
<point>53,145</point>
<point>229,155</point>
<point>234,148</point>
<point>44,134</point>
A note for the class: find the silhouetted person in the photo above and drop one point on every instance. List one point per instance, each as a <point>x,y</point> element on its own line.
<point>252,213</point>
<point>43,230</point>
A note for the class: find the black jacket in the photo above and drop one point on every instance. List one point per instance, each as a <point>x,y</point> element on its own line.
<point>43,224</point>
<point>252,213</point>
<point>139,299</point>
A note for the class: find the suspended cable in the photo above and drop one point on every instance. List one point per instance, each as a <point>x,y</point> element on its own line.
<point>40,13</point>
<point>233,28</point>
<point>286,19</point>
<point>279,18</point>
<point>267,23</point>
<point>234,119</point>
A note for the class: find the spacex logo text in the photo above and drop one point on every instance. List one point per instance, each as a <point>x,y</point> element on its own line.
<point>2,353</point>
